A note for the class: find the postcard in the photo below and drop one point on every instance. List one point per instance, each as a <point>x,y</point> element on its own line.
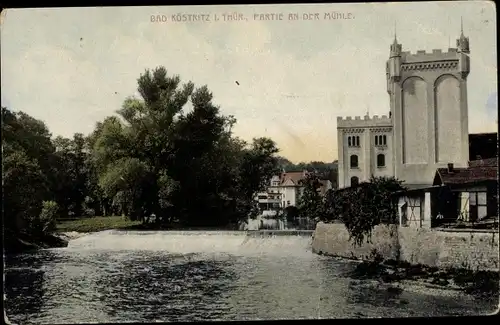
<point>249,162</point>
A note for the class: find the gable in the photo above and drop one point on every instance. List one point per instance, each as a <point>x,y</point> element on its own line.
<point>288,182</point>
<point>437,179</point>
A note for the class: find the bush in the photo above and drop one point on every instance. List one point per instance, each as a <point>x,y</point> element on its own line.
<point>89,212</point>
<point>363,207</point>
<point>45,223</point>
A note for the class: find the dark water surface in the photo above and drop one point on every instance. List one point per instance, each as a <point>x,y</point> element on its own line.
<point>116,276</point>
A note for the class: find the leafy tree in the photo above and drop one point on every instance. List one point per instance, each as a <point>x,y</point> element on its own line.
<point>45,223</point>
<point>70,167</point>
<point>363,207</point>
<point>185,166</point>
<point>322,169</point>
<point>310,201</point>
<point>27,152</point>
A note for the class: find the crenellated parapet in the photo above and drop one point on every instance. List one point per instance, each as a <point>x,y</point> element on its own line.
<point>435,55</point>
<point>365,122</point>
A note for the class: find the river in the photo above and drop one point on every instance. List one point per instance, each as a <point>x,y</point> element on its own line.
<point>119,276</point>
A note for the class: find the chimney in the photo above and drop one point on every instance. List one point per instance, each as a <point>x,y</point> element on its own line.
<point>450,168</point>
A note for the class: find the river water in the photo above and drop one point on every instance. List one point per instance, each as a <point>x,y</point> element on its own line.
<point>118,276</point>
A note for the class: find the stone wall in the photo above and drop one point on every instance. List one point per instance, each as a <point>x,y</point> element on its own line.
<point>432,247</point>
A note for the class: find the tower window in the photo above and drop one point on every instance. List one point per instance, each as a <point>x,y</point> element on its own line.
<point>354,181</point>
<point>354,161</point>
<point>381,140</point>
<point>380,160</point>
<point>353,141</point>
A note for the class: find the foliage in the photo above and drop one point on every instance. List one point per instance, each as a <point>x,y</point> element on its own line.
<point>322,169</point>
<point>46,222</point>
<point>363,207</point>
<point>26,182</point>
<point>169,152</point>
<point>181,166</point>
<point>310,202</point>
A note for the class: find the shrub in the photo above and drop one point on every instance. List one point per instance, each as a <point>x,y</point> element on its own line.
<point>45,223</point>
<point>363,207</point>
<point>89,212</point>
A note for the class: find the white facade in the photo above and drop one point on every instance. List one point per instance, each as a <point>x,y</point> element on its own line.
<point>427,126</point>
<point>283,192</point>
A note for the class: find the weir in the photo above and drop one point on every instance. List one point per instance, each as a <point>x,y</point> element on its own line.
<point>273,233</point>
<point>205,242</point>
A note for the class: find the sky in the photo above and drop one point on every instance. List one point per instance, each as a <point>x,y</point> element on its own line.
<point>72,67</point>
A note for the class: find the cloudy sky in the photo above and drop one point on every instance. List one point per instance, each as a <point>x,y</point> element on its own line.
<point>71,67</point>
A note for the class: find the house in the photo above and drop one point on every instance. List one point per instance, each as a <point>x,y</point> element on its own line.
<point>284,191</point>
<point>291,187</point>
<point>474,189</point>
<point>468,194</point>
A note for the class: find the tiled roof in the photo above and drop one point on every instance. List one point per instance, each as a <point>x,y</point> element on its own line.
<point>467,175</point>
<point>295,177</point>
<point>490,162</point>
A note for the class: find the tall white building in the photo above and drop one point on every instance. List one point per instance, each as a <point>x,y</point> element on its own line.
<point>427,127</point>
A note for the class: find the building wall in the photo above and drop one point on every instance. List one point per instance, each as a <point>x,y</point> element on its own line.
<point>444,249</point>
<point>414,121</point>
<point>447,119</point>
<point>366,129</point>
<point>289,194</point>
<point>428,95</point>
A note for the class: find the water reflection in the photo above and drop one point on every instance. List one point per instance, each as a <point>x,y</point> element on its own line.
<point>24,294</point>
<point>98,280</point>
<point>166,288</point>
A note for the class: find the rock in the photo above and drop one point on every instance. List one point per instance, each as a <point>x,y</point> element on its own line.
<point>21,243</point>
<point>52,241</point>
<point>394,290</point>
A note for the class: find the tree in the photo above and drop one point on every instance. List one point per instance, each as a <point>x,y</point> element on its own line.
<point>70,167</point>
<point>27,153</point>
<point>182,166</point>
<point>322,169</point>
<point>310,201</point>
<point>363,207</point>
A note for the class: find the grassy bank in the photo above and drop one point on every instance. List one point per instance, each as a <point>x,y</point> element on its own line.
<point>96,224</point>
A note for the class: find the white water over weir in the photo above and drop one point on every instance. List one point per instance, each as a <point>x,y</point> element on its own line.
<point>188,242</point>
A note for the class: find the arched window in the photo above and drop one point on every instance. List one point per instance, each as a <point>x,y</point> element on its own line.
<point>380,160</point>
<point>354,181</point>
<point>376,140</point>
<point>349,141</point>
<point>354,161</point>
<point>357,141</point>
<point>384,140</point>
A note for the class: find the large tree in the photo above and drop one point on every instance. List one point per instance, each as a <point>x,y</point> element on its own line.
<point>27,153</point>
<point>183,164</point>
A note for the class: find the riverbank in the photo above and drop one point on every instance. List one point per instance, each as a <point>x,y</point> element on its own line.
<point>21,243</point>
<point>96,224</point>
<point>396,276</point>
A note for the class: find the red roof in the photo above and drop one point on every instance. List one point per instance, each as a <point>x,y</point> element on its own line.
<point>466,175</point>
<point>295,177</point>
